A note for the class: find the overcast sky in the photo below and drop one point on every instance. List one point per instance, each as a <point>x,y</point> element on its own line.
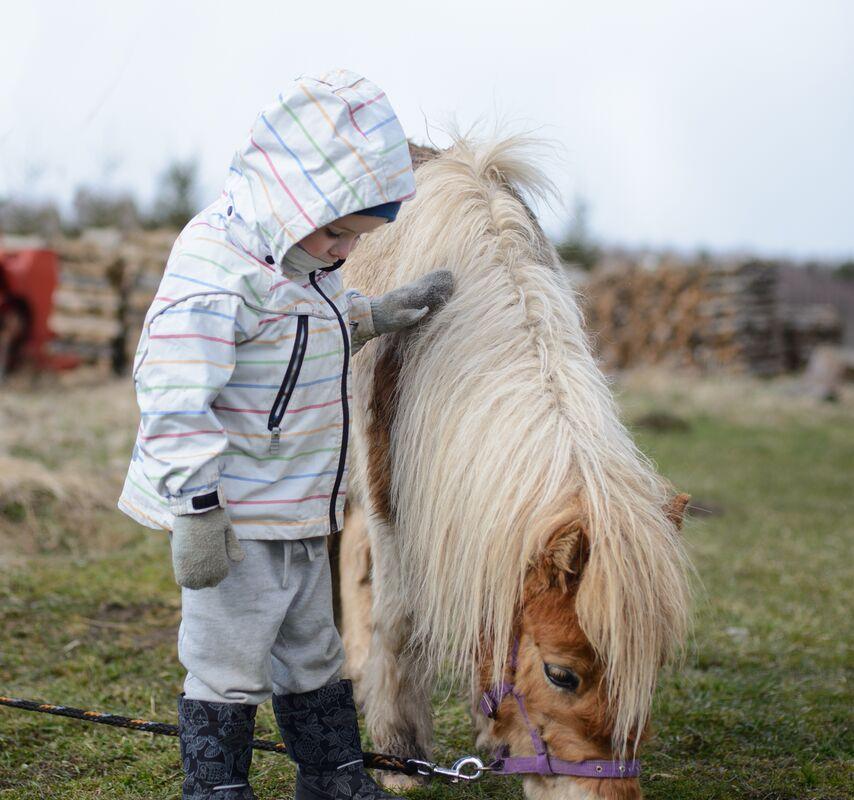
<point>725,125</point>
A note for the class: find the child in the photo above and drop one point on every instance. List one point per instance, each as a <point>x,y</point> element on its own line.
<point>242,380</point>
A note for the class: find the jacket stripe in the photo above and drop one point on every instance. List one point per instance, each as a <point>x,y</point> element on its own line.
<point>267,410</point>
<point>278,177</point>
<point>280,458</point>
<point>276,385</point>
<point>290,336</point>
<point>285,360</point>
<point>229,317</point>
<point>188,489</point>
<point>147,493</point>
<point>243,278</point>
<point>284,523</point>
<point>136,510</point>
<point>173,412</point>
<point>323,155</point>
<point>207,225</point>
<point>286,501</point>
<point>195,280</point>
<point>246,256</point>
<point>302,168</point>
<point>169,386</point>
<point>178,435</point>
<point>283,434</point>
<point>392,147</point>
<point>191,336</point>
<point>233,477</point>
<point>369,131</point>
<point>152,361</point>
<point>272,206</point>
<point>367,103</point>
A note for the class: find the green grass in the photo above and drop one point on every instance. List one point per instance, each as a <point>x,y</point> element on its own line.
<point>761,709</point>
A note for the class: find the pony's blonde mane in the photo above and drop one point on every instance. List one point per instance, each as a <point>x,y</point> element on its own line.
<point>503,422</point>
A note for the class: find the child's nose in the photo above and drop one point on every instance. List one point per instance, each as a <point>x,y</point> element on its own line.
<point>342,249</point>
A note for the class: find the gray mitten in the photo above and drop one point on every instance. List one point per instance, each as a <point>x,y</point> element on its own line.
<point>405,305</point>
<point>202,545</point>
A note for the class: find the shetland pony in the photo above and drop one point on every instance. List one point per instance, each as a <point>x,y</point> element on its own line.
<point>496,499</point>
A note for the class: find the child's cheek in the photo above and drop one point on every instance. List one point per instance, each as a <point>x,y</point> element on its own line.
<point>315,244</point>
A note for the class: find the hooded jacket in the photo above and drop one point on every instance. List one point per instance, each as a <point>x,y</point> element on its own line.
<point>242,373</point>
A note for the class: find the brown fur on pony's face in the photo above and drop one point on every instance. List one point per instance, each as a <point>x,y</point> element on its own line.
<point>575,724</point>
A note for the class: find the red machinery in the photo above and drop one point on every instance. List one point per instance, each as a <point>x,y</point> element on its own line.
<point>27,282</point>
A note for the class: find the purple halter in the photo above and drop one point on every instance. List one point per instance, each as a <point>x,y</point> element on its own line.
<point>542,763</point>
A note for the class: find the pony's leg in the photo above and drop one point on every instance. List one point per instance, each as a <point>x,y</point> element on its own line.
<point>398,681</point>
<point>354,587</point>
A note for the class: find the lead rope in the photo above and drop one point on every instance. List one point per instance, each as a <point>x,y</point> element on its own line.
<point>384,761</point>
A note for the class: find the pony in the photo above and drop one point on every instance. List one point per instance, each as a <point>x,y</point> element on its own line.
<point>501,524</point>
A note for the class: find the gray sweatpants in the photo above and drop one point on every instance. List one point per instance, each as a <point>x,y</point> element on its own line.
<point>268,627</point>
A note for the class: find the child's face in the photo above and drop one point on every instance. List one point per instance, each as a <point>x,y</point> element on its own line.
<point>339,237</point>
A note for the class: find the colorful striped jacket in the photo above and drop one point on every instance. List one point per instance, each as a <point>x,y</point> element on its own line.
<point>242,371</point>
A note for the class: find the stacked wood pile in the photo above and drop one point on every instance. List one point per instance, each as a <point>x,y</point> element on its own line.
<point>807,327</point>
<point>87,301</point>
<point>641,310</point>
<point>700,316</point>
<point>106,283</point>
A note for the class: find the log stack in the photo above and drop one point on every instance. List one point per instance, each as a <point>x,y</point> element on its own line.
<point>106,283</point>
<point>661,309</point>
<point>86,303</point>
<point>697,315</point>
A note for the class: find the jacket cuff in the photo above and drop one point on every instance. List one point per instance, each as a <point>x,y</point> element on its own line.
<point>361,318</point>
<point>198,503</point>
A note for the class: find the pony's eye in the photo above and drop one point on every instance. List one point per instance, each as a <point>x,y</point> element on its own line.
<point>562,677</point>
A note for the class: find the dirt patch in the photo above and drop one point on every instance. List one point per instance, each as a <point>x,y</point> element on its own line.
<point>138,625</point>
<point>662,422</point>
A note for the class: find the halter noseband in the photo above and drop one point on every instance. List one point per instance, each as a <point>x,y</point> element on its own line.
<point>542,763</point>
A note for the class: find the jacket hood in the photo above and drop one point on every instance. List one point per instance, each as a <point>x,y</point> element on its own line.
<point>326,147</point>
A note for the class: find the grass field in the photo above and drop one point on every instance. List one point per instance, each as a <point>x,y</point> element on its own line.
<point>762,708</point>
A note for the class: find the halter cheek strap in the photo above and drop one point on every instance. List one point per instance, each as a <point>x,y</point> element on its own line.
<point>542,763</point>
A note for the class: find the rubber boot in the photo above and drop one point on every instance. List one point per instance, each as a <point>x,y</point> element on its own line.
<point>321,732</point>
<point>216,749</point>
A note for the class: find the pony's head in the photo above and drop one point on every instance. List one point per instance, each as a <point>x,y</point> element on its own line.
<point>559,681</point>
<point>522,507</point>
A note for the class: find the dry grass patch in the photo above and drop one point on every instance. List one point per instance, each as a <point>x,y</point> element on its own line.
<point>64,448</point>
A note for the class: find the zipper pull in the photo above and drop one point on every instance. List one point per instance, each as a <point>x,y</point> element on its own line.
<point>274,440</point>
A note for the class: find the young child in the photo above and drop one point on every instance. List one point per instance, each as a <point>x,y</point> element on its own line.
<point>242,379</point>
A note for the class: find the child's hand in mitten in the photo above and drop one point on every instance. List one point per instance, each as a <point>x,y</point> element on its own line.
<point>202,545</point>
<point>407,304</point>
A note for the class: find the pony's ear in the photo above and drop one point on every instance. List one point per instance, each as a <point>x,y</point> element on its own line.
<point>562,559</point>
<point>675,509</point>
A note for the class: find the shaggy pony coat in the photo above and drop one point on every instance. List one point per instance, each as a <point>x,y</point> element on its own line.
<point>504,430</point>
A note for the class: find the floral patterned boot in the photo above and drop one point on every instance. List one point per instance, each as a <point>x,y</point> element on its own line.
<point>321,732</point>
<point>216,749</point>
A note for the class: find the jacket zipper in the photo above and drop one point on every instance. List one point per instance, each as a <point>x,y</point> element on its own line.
<point>277,412</point>
<point>345,410</point>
